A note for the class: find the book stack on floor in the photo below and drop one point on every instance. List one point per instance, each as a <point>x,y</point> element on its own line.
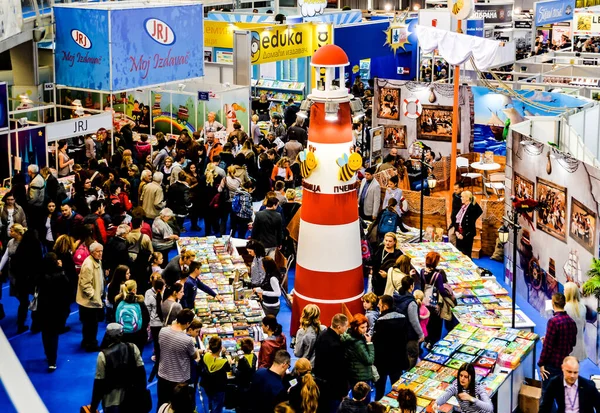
<point>494,352</point>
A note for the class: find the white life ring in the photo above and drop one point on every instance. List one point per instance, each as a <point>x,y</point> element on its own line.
<point>418,108</point>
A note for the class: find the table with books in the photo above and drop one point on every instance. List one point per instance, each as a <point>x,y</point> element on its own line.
<point>502,359</point>
<point>223,270</point>
<point>482,301</point>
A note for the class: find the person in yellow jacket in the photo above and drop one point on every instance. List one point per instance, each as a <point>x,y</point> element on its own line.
<point>214,374</point>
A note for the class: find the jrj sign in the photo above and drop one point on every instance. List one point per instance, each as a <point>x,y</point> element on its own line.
<point>287,42</point>
<point>116,48</point>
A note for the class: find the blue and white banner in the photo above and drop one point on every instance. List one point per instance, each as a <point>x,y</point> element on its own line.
<point>155,45</point>
<point>148,46</point>
<point>475,27</point>
<point>553,11</point>
<point>240,17</point>
<point>81,55</point>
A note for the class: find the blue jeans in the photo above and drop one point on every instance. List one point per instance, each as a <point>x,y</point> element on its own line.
<point>216,402</point>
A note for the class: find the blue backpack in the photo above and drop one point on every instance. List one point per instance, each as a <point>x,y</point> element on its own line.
<point>129,315</point>
<point>387,222</point>
<point>236,203</point>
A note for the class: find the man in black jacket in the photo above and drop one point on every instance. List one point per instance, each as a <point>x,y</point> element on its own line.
<point>456,204</point>
<point>389,340</point>
<point>268,227</point>
<point>569,390</point>
<point>330,364</point>
<point>178,199</point>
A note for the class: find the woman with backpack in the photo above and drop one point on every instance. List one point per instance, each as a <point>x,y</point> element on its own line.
<point>119,276</point>
<point>230,185</point>
<point>433,277</point>
<point>389,220</point>
<point>82,246</point>
<point>241,210</point>
<point>133,315</point>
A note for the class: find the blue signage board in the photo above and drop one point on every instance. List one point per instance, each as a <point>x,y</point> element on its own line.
<point>116,47</point>
<point>204,96</point>
<point>475,27</point>
<point>155,45</point>
<point>553,11</point>
<point>81,53</point>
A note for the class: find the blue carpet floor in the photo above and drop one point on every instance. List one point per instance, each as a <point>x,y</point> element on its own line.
<point>71,385</point>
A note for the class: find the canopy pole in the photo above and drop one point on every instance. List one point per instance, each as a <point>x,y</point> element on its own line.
<point>455,117</point>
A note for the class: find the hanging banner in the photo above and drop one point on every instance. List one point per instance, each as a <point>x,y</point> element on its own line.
<point>493,13</point>
<point>84,125</point>
<point>81,55</point>
<point>148,46</point>
<point>586,23</point>
<point>553,11</point>
<point>11,18</point>
<point>281,42</point>
<point>3,106</point>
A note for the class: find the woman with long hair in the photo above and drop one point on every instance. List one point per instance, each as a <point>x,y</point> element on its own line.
<point>471,397</point>
<point>270,290</point>
<point>431,275</point>
<point>49,224</point>
<point>52,305</point>
<point>304,397</point>
<point>395,274</point>
<point>383,259</point>
<point>119,276</point>
<point>64,248</point>
<point>358,351</point>
<point>210,199</point>
<point>306,336</point>
<point>192,179</point>
<point>576,310</point>
<point>133,315</point>
<point>464,224</point>
<point>12,213</point>
<point>64,161</point>
<point>274,340</point>
<point>170,304</point>
<point>257,272</point>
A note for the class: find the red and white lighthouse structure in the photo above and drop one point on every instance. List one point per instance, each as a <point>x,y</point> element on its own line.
<point>329,261</point>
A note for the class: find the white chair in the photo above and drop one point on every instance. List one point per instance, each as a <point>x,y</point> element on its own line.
<point>495,182</point>
<point>462,165</point>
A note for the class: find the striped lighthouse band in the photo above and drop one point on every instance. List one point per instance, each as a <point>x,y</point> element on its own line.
<point>324,131</point>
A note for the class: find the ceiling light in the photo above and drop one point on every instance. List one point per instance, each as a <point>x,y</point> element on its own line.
<point>387,7</point>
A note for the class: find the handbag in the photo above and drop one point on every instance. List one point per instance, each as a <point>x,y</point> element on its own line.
<point>33,305</point>
<point>431,293</point>
<point>375,373</point>
<point>446,308</point>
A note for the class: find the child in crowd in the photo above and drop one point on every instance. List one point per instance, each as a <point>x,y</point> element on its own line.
<point>214,374</point>
<point>157,260</point>
<point>370,301</point>
<point>244,369</point>
<point>423,311</point>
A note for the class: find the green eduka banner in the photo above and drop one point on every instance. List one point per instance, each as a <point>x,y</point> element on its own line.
<point>493,13</point>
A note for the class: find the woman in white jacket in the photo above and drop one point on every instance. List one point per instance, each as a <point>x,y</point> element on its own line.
<point>576,310</point>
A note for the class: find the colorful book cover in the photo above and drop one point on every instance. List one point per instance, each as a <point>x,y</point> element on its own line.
<point>467,358</point>
<point>436,358</point>
<point>469,349</point>
<point>454,363</point>
<point>444,351</point>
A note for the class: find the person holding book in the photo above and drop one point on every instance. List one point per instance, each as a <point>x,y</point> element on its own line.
<point>471,397</point>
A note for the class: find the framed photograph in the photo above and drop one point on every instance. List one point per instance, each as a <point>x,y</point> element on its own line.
<point>524,189</point>
<point>389,104</point>
<point>552,218</point>
<point>582,226</point>
<point>435,123</point>
<point>394,136</point>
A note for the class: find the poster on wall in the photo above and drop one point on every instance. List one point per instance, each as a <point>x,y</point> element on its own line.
<point>552,217</point>
<point>435,123</point>
<point>586,23</point>
<point>389,104</point>
<point>376,141</point>
<point>524,189</point>
<point>582,226</point>
<point>395,136</point>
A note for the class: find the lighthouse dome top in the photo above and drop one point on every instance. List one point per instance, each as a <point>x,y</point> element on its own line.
<point>330,55</point>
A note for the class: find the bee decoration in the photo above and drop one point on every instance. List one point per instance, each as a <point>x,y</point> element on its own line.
<point>308,161</point>
<point>349,165</point>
